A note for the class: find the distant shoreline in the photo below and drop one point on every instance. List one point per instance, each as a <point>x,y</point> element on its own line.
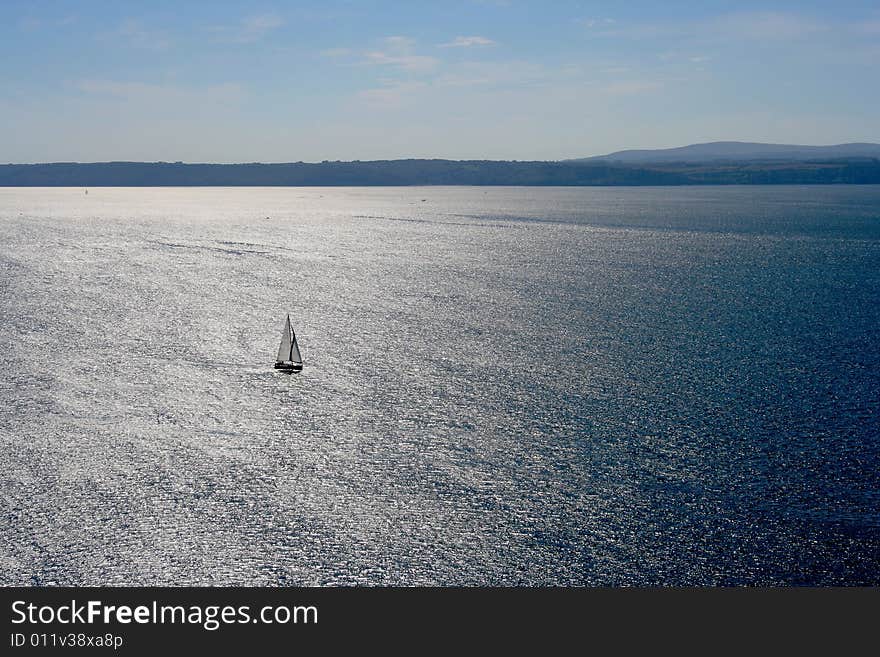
<point>413,172</point>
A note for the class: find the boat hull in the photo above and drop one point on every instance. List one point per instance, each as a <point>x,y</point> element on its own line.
<point>289,367</point>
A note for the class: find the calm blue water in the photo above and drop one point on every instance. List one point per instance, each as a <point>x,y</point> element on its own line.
<point>514,386</point>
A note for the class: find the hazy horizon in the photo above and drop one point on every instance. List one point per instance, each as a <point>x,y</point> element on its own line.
<point>473,79</point>
<point>324,161</point>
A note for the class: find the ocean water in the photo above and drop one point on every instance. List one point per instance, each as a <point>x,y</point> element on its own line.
<point>502,386</point>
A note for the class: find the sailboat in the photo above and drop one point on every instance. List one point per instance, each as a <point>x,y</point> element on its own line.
<point>289,358</point>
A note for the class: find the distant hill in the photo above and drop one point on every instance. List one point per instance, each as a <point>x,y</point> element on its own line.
<point>829,170</point>
<point>738,151</point>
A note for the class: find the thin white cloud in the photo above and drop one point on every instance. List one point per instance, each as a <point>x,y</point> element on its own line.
<point>596,22</point>
<point>399,43</point>
<point>32,23</point>
<point>468,42</point>
<point>256,27</point>
<point>159,94</point>
<point>508,74</point>
<point>675,56</point>
<point>412,63</point>
<point>335,52</point>
<point>249,29</point>
<point>631,87</point>
<point>741,26</point>
<point>766,25</point>
<point>393,94</point>
<point>398,53</point>
<point>136,34</point>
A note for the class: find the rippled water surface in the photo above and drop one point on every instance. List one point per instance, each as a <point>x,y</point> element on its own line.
<point>502,386</point>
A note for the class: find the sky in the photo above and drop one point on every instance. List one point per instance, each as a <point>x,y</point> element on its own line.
<point>283,81</point>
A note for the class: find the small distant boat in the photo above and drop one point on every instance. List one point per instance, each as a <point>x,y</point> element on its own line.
<point>289,358</point>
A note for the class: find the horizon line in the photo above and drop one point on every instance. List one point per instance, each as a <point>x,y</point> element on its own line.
<point>444,159</point>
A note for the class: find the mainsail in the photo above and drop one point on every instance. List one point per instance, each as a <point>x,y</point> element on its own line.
<point>288,350</point>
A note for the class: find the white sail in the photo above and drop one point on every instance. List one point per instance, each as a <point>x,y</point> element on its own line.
<point>285,348</point>
<point>294,350</point>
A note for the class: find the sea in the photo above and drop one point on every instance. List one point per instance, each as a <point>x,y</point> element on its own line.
<point>503,386</point>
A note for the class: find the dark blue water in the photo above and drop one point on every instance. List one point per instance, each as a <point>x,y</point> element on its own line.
<point>515,386</point>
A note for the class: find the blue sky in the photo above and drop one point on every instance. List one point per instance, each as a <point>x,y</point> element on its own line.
<point>225,81</point>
